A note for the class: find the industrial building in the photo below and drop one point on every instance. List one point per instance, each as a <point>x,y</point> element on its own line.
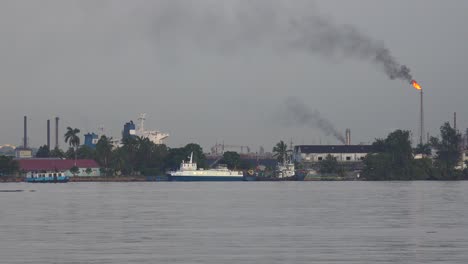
<point>91,139</point>
<point>342,153</point>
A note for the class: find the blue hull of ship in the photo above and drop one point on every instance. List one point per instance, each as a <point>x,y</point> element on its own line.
<point>48,179</point>
<point>204,178</point>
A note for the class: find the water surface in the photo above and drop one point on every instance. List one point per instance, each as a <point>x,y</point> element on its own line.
<point>244,222</point>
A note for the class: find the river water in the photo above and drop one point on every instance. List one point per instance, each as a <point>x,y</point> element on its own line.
<point>235,222</point>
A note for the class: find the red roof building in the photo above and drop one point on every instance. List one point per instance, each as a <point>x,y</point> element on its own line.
<point>50,165</point>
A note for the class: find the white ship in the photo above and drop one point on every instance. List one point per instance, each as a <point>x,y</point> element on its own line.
<point>285,169</point>
<point>189,172</point>
<point>154,136</point>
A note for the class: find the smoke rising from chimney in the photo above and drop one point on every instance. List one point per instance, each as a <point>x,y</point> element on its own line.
<point>321,35</point>
<point>297,113</point>
<point>237,25</point>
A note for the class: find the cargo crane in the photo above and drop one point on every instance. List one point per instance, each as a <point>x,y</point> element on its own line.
<point>219,149</point>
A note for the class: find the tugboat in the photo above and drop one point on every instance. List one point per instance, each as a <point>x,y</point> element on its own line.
<point>284,171</point>
<point>189,172</point>
<point>42,177</point>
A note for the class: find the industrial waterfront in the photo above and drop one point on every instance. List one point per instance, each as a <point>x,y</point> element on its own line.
<point>143,155</point>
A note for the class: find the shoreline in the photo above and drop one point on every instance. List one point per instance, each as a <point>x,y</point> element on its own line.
<point>88,179</point>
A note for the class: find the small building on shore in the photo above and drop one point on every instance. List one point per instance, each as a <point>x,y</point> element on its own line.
<point>22,153</point>
<point>342,153</point>
<point>86,167</point>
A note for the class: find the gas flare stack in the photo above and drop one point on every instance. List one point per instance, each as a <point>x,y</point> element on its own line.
<point>421,111</point>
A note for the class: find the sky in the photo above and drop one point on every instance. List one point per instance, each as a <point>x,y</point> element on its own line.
<point>209,71</point>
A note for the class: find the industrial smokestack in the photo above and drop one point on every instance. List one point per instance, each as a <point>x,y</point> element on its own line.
<point>455,120</point>
<point>48,134</point>
<point>56,132</point>
<point>421,120</point>
<point>348,136</point>
<point>25,139</point>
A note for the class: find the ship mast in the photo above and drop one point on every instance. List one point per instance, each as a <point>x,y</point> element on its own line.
<point>142,119</point>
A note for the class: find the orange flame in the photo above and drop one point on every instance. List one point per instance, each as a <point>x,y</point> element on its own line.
<point>416,85</point>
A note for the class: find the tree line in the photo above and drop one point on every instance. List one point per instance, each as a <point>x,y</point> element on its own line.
<point>135,156</point>
<point>393,158</point>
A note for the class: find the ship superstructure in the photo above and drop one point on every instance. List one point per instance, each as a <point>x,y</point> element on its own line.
<point>133,130</point>
<point>188,171</point>
<point>154,136</point>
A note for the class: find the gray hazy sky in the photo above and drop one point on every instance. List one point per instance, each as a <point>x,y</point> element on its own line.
<point>208,71</point>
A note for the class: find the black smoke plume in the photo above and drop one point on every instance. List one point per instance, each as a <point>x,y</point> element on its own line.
<point>297,113</point>
<point>240,25</point>
<point>321,35</point>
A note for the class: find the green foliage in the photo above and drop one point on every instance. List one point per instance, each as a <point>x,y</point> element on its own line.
<point>136,156</point>
<point>329,165</point>
<point>88,171</point>
<point>57,153</point>
<point>86,152</point>
<point>448,151</point>
<point>280,151</point>
<point>104,152</point>
<point>392,160</point>
<point>377,166</point>
<point>176,155</point>
<point>424,149</point>
<point>139,155</point>
<point>43,152</point>
<point>8,166</point>
<point>174,158</point>
<point>74,170</point>
<point>231,159</point>
<point>72,138</point>
<point>198,155</point>
<point>422,169</point>
<point>70,154</point>
<point>149,157</point>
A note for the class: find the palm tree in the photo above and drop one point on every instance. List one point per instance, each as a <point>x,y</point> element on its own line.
<point>281,151</point>
<point>143,153</point>
<point>104,152</point>
<point>130,149</point>
<point>72,138</point>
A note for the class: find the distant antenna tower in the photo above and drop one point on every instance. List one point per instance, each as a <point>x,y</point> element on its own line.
<point>142,119</point>
<point>100,131</point>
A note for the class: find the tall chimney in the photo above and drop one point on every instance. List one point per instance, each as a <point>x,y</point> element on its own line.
<point>455,120</point>
<point>421,120</point>
<point>48,134</point>
<point>25,139</point>
<point>56,132</point>
<point>348,136</point>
